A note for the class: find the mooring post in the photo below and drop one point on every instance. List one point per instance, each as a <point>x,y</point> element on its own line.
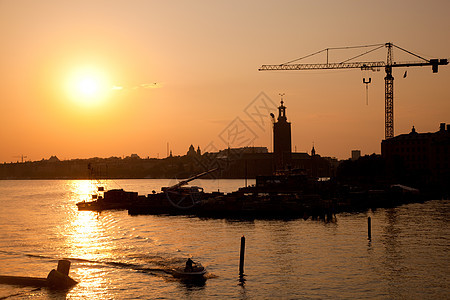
<point>59,279</point>
<point>63,267</point>
<point>369,228</point>
<point>241,259</point>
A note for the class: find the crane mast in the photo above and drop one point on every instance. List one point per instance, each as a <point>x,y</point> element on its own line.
<point>370,65</point>
<point>389,96</point>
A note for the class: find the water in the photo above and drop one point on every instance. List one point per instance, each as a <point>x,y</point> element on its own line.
<point>117,256</point>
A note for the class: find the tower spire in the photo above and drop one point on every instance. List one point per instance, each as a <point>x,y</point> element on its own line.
<point>281,109</point>
<point>281,96</point>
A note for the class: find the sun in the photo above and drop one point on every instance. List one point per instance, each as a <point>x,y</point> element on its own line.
<point>88,86</point>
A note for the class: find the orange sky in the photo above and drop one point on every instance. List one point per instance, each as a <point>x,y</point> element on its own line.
<point>186,72</point>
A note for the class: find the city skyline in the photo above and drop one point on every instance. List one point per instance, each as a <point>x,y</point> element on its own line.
<point>101,79</point>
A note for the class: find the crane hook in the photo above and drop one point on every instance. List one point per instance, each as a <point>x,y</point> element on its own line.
<point>367,89</point>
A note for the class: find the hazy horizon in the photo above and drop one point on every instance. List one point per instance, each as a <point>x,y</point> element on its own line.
<point>90,79</point>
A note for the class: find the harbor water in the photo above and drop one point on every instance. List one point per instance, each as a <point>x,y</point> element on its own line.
<point>118,256</point>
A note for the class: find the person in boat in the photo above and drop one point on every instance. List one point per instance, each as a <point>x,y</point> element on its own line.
<point>189,267</point>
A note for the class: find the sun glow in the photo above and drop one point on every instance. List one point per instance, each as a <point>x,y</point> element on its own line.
<point>88,87</point>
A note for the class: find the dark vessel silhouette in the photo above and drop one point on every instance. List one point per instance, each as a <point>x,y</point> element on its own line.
<point>176,199</point>
<point>113,199</point>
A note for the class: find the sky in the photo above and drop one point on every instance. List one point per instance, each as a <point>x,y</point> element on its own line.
<point>84,79</point>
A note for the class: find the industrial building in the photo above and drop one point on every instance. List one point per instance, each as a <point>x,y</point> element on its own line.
<point>422,156</point>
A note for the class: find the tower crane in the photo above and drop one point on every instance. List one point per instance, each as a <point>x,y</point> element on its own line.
<point>371,65</point>
<point>21,156</point>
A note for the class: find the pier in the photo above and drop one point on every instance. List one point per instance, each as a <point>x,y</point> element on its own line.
<point>57,279</point>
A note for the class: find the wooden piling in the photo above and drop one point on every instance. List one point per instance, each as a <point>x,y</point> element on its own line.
<point>369,228</point>
<point>59,281</point>
<point>241,258</point>
<point>63,266</point>
<point>59,278</point>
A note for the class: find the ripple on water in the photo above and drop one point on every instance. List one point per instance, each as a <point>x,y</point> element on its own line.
<point>117,256</point>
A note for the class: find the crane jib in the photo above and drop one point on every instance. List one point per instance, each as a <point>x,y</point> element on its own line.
<point>186,181</point>
<point>347,65</point>
<point>354,65</point>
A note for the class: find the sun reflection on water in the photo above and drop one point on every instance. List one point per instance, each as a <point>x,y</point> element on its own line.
<point>87,232</point>
<point>81,190</point>
<point>87,242</point>
<point>88,238</point>
<point>92,286</point>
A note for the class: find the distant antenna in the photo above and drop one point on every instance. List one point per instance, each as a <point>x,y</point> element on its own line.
<point>281,95</point>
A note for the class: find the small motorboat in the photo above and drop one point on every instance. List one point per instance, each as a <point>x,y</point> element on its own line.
<point>196,273</point>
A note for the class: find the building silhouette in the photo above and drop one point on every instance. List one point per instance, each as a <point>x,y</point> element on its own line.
<point>282,147</point>
<point>244,162</point>
<point>419,157</point>
<point>356,154</point>
<point>191,151</point>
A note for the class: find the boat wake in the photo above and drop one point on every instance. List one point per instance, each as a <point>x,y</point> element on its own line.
<point>160,266</point>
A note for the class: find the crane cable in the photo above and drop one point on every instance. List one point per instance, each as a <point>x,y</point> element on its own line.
<point>418,56</point>
<point>335,48</point>
<point>361,54</point>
